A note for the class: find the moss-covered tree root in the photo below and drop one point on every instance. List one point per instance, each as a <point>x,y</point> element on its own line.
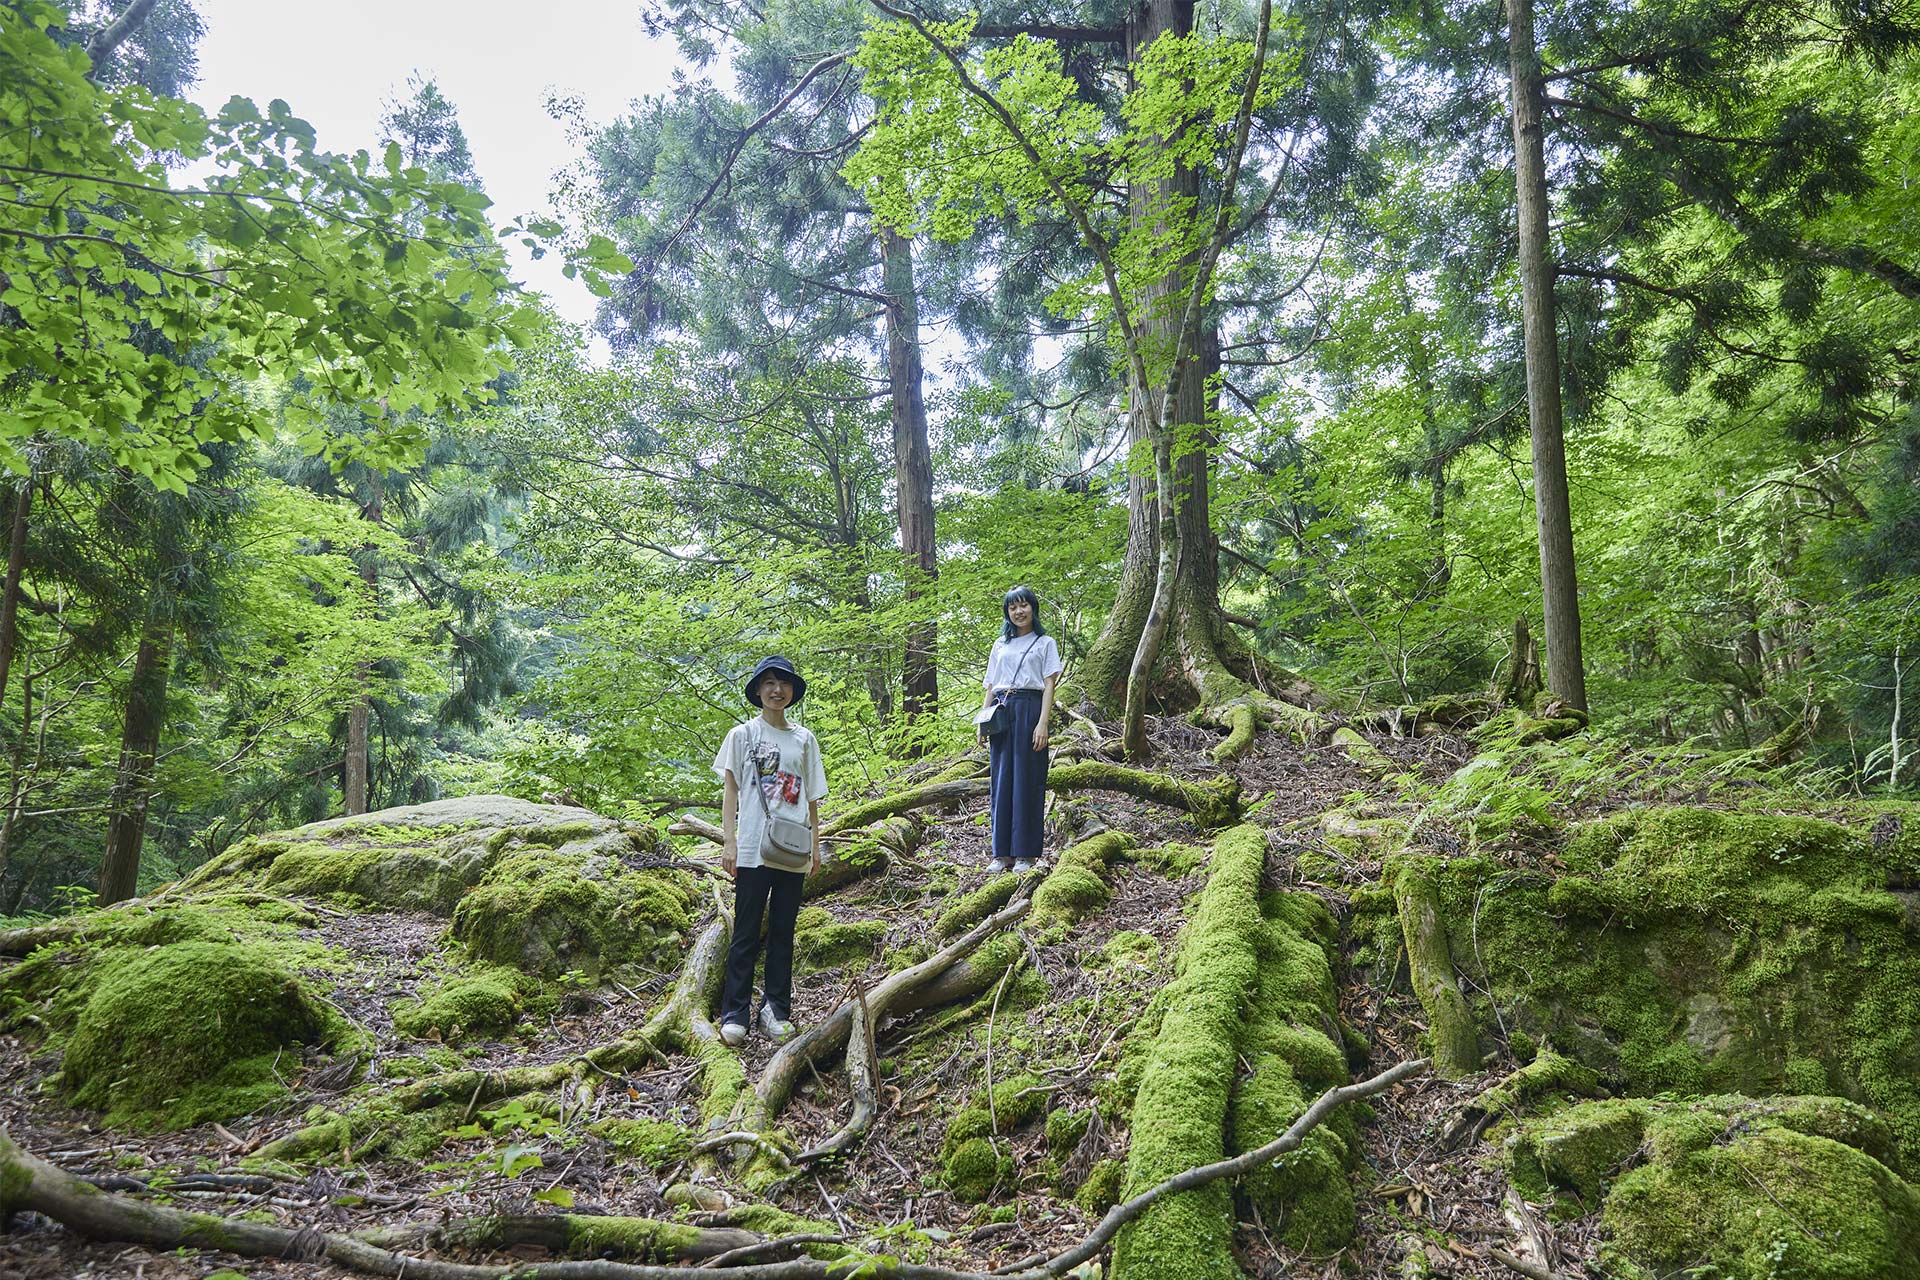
<point>1212,804</point>
<point>27,1183</point>
<point>1180,1111</point>
<point>1247,711</point>
<point>902,992</point>
<point>1450,1027</point>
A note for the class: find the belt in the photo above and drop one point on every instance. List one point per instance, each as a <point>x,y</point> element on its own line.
<point>1019,693</point>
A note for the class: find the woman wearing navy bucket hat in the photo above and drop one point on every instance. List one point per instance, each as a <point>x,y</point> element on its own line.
<point>769,844</point>
<point>1022,669</point>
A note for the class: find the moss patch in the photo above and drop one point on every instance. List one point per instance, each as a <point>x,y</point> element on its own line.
<point>1765,1189</point>
<point>546,913</point>
<point>1180,1110</point>
<point>820,942</point>
<point>1077,887</point>
<point>187,1033</point>
<point>654,1143</point>
<point>480,1003</point>
<point>1697,951</point>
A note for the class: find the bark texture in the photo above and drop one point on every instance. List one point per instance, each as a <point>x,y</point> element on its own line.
<point>1566,670</point>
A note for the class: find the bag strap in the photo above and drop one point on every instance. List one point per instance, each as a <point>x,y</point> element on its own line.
<point>1024,655</point>
<point>753,756</point>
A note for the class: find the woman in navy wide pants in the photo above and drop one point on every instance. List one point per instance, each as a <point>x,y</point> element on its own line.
<point>1022,670</point>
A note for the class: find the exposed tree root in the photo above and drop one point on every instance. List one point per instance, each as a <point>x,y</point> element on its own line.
<point>27,1183</point>
<point>904,992</point>
<point>1547,1073</point>
<point>570,1235</point>
<point>1213,804</point>
<point>1456,1041</point>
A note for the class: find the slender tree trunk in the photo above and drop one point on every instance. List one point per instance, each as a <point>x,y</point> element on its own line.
<point>913,473</point>
<point>354,765</point>
<point>1566,670</point>
<point>1420,365</point>
<point>139,741</point>
<point>10,592</point>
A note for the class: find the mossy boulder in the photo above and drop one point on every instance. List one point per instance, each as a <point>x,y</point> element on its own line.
<point>188,1033</point>
<point>546,913</point>
<point>424,857</point>
<point>1698,951</point>
<point>973,1170</point>
<point>1751,1189</point>
<point>482,1002</point>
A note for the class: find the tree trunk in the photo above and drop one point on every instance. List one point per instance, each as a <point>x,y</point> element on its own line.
<point>139,740</point>
<point>913,475</point>
<point>1566,671</point>
<point>10,593</point>
<point>1103,678</point>
<point>354,765</point>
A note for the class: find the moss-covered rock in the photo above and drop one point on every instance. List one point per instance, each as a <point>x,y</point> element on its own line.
<point>544,913</point>
<point>477,1003</point>
<point>1577,1151</point>
<point>1698,951</point>
<point>1753,1189</point>
<point>187,1033</point>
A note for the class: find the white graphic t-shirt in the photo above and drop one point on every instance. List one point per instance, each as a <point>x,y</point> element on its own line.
<point>790,773</point>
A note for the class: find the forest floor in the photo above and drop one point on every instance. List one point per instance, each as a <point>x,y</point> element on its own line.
<point>1408,1184</point>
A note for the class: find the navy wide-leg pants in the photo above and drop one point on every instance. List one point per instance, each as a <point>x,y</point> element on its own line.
<point>1019,781</point>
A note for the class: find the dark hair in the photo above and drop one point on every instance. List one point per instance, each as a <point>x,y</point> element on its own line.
<point>1007,631</point>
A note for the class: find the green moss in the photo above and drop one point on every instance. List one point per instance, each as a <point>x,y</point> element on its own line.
<point>1698,951</point>
<point>1578,1150</point>
<point>826,944</point>
<point>1174,860</point>
<point>1017,1099</point>
<point>480,1003</point>
<point>434,1060</point>
<point>409,877</point>
<point>655,1143</point>
<point>1101,1191</point>
<point>1741,1192</point>
<point>1213,803</point>
<point>973,1170</point>
<point>546,914</point>
<point>1291,1047</point>
<point>1179,1113</point>
<point>1076,887</point>
<point>1065,1127</point>
<point>1131,949</point>
<point>187,1033</point>
<point>637,1239</point>
<point>766,1220</point>
<point>974,907</point>
<point>966,1125</point>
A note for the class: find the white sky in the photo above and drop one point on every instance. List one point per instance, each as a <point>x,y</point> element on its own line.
<point>336,65</point>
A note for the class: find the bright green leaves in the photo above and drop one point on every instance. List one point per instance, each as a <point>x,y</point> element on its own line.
<point>134,313</point>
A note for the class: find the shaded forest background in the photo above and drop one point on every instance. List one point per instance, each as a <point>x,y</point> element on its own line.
<point>312,512</point>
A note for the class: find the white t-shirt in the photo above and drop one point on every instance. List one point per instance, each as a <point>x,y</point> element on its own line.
<point>1023,662</point>
<point>790,773</point>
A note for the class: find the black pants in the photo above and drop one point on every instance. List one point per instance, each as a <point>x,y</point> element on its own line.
<point>757,892</point>
<point>1018,781</point>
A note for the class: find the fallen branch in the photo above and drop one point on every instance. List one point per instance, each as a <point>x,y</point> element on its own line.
<point>1533,1270</point>
<point>30,1183</point>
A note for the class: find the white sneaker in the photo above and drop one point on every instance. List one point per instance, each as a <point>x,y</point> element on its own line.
<point>998,865</point>
<point>778,1030</point>
<point>1023,865</point>
<point>733,1034</point>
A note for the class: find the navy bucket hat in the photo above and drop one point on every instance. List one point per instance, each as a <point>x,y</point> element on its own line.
<point>785,668</point>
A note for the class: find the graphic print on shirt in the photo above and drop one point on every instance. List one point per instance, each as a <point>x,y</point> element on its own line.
<point>777,787</point>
